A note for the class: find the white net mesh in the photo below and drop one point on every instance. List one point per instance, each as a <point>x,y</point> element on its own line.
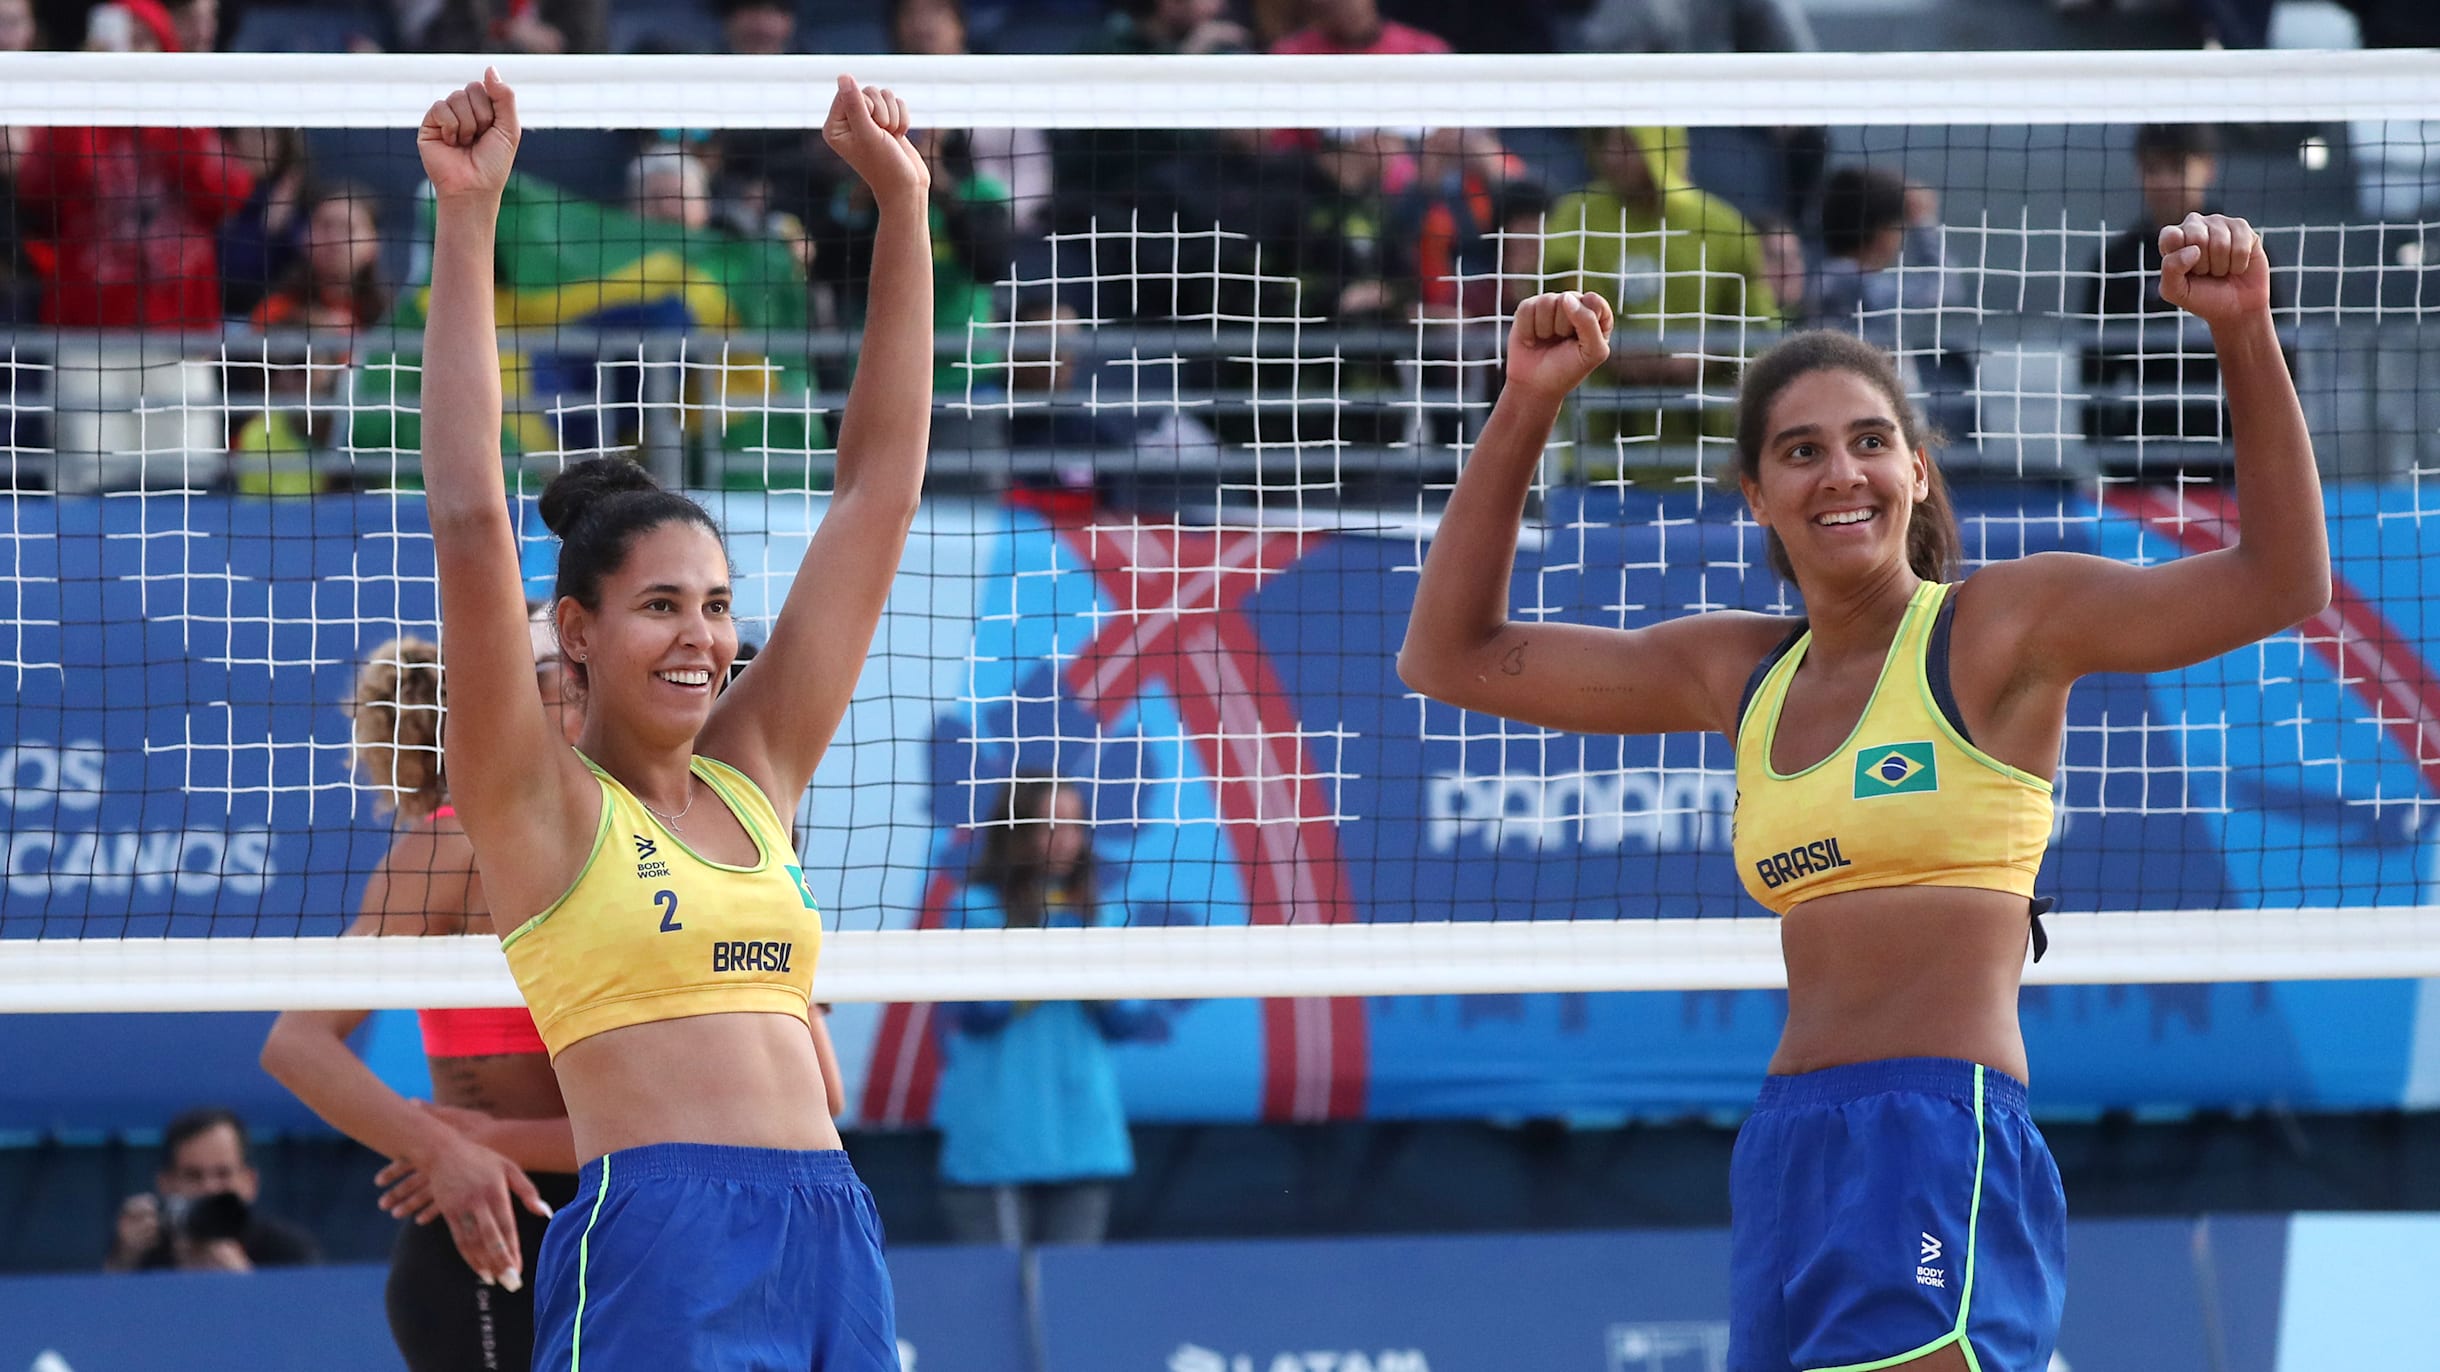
<point>1197,411</point>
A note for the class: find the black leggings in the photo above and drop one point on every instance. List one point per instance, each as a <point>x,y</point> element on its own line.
<point>443,1318</point>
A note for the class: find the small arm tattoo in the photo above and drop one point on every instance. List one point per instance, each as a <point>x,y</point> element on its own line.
<point>1514,663</point>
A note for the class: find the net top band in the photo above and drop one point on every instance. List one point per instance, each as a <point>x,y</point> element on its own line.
<point>319,90</point>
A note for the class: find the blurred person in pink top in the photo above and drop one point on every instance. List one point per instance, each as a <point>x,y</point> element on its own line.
<point>1338,28</point>
<point>1346,28</point>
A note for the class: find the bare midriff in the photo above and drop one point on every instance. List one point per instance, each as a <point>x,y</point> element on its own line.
<point>508,1086</point>
<point>746,1079</point>
<point>505,1086</point>
<point>1904,972</point>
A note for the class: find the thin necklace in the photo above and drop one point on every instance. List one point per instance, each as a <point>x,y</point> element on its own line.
<point>672,819</point>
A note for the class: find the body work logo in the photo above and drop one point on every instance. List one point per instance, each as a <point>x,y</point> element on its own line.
<point>1191,1358</point>
<point>1925,1273</point>
<point>1895,769</point>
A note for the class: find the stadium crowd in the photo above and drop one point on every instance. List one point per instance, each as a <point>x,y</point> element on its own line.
<point>229,273</point>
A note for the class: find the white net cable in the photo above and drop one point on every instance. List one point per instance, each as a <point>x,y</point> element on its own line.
<point>2159,946</point>
<point>306,90</point>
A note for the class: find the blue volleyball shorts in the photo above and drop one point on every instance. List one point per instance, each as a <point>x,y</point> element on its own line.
<point>702,1257</point>
<point>1886,1210</point>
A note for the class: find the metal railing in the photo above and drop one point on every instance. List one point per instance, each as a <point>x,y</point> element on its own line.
<point>1312,407</point>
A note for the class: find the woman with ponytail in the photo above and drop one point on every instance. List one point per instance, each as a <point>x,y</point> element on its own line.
<point>649,901</point>
<point>493,1141</point>
<point>1892,1204</point>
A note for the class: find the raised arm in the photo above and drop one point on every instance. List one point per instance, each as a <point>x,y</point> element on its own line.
<point>1462,648</point>
<point>515,783</point>
<point>2076,614</point>
<point>774,724</point>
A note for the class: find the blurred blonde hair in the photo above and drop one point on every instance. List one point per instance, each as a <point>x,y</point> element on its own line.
<point>396,708</point>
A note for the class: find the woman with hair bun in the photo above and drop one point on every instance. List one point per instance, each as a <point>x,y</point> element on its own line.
<point>653,913</point>
<point>493,1142</point>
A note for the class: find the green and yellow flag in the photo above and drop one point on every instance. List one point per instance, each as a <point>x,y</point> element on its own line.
<point>572,264</point>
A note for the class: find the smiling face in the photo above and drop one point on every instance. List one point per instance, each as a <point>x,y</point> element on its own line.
<point>659,641</point>
<point>1838,478</point>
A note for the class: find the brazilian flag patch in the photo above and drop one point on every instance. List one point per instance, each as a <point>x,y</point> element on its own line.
<point>1895,769</point>
<point>804,888</point>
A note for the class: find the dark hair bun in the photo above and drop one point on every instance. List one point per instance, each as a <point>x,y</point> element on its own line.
<point>581,485</point>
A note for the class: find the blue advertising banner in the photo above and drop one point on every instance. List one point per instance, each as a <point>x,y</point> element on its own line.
<point>2173,1293</point>
<point>1626,1302</point>
<point>2143,1295</point>
<point>959,1310</point>
<point>290,1318</point>
<point>2234,1294</point>
<point>173,761</point>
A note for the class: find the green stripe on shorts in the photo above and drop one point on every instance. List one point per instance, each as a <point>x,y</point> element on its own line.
<point>1965,1296</point>
<point>1965,1299</point>
<point>584,1252</point>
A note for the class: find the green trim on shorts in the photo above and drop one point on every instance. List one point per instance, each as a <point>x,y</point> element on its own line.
<point>584,1252</point>
<point>1965,1299</point>
<point>1965,1296</point>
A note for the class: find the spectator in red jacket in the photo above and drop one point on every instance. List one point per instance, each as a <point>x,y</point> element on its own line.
<point>133,214</point>
<point>124,226</point>
<point>18,33</point>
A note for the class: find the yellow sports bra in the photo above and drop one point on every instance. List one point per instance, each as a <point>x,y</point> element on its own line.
<point>1907,800</point>
<point>651,931</point>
